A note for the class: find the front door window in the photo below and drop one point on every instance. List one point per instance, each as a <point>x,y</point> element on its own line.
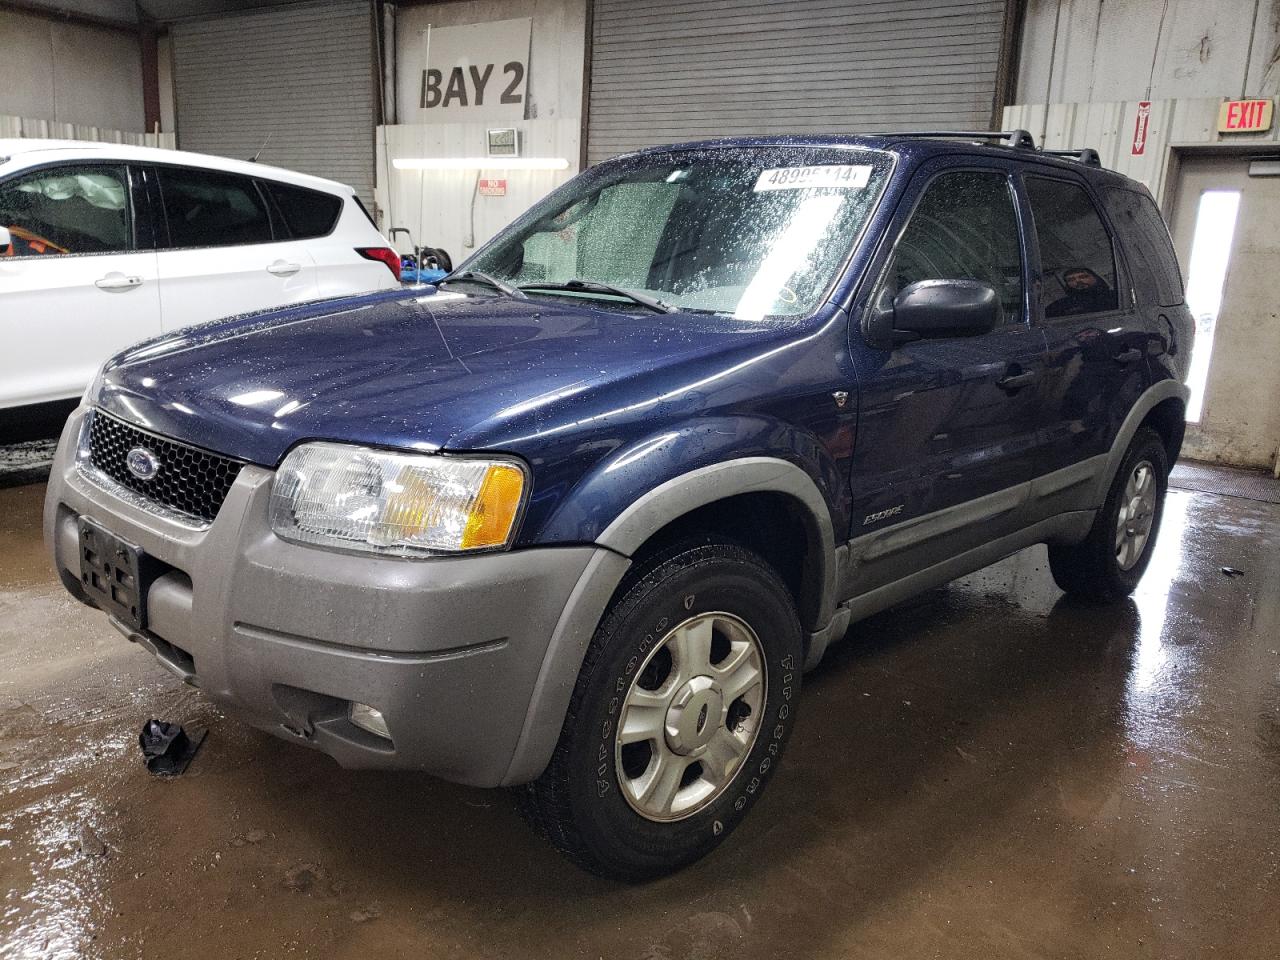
<point>66,210</point>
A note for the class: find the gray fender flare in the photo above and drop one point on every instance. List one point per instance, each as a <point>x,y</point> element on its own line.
<point>587,601</point>
<point>1153,396</point>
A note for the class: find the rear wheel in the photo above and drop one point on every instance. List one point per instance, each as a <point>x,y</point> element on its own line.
<point>1111,560</point>
<point>681,711</point>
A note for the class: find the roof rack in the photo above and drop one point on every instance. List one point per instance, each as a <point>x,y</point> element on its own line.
<point>1019,139</point>
<point>1086,155</point>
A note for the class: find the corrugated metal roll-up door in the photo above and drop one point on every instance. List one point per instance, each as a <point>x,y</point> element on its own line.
<point>671,70</point>
<point>300,75</point>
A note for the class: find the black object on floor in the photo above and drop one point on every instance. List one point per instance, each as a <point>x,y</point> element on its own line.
<point>168,747</point>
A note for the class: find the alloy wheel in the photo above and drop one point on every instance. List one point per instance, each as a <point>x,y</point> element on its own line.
<point>1137,514</point>
<point>690,717</point>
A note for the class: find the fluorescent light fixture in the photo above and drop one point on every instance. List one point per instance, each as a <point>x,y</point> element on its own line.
<point>481,163</point>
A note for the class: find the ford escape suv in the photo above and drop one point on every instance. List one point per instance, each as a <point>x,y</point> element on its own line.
<point>578,519</point>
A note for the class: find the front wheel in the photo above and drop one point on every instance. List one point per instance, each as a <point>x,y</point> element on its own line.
<point>681,712</point>
<point>1111,560</point>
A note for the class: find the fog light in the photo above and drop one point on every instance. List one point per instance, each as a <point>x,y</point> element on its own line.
<point>367,718</point>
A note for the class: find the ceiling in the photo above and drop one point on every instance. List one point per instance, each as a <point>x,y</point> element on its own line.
<point>134,12</point>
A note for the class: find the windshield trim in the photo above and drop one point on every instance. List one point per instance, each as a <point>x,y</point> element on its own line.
<point>838,275</point>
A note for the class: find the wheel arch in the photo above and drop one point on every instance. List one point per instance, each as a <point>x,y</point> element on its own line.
<point>741,500</point>
<point>709,498</point>
<point>1159,407</point>
<point>1169,419</point>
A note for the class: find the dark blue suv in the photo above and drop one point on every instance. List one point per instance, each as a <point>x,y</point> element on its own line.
<point>577,519</point>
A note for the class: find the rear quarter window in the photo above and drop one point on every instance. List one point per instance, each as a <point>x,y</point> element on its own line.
<point>306,213</point>
<point>1145,239</point>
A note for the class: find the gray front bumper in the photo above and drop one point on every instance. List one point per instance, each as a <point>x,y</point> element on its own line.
<point>470,659</point>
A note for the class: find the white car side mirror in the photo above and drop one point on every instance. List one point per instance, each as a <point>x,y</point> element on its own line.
<point>5,238</point>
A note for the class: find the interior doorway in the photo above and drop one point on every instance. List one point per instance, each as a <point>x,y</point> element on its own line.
<point>1225,221</point>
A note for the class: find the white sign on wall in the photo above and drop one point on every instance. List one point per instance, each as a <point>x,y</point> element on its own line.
<point>479,71</point>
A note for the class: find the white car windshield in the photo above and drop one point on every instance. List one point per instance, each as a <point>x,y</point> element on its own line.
<point>752,232</point>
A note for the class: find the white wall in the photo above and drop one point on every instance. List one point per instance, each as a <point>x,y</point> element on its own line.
<point>1108,128</point>
<point>436,205</point>
<point>69,73</point>
<point>1082,51</point>
<point>556,54</point>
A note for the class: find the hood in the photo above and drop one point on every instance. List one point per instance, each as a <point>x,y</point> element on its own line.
<point>410,370</point>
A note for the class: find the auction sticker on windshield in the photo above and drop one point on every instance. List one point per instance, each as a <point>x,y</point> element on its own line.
<point>839,176</point>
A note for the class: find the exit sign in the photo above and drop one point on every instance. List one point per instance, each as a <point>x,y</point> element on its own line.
<point>1245,116</point>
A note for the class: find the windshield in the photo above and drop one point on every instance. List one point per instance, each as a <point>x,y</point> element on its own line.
<point>752,232</point>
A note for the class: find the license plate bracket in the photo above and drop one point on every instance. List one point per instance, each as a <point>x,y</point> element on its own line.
<point>116,574</point>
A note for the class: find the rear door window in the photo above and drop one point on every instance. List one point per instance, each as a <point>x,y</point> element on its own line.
<point>205,208</point>
<point>1146,242</point>
<point>1077,261</point>
<point>65,210</point>
<point>306,213</point>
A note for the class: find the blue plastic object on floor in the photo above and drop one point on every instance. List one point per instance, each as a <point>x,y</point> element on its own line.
<point>411,275</point>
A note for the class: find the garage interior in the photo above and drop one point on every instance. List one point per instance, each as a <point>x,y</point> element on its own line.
<point>987,770</point>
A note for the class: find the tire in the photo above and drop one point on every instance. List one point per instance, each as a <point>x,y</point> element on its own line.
<point>439,257</point>
<point>641,674</point>
<point>1107,565</point>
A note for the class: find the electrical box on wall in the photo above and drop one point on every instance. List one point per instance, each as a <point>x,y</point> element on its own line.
<point>503,142</point>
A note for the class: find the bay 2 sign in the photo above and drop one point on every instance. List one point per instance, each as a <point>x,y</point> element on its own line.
<point>479,71</point>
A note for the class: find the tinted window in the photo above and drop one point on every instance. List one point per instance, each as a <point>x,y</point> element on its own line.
<point>71,209</point>
<point>1076,258</point>
<point>1146,241</point>
<point>964,228</point>
<point>208,209</point>
<point>307,213</point>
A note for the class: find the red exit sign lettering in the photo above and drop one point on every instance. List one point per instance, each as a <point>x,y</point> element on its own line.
<point>1245,116</point>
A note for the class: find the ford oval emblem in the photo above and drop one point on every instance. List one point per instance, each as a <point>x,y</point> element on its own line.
<point>142,463</point>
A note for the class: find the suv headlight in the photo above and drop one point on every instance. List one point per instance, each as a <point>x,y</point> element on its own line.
<point>402,504</point>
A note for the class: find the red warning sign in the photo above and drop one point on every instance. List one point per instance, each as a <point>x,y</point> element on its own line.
<point>1140,128</point>
<point>493,187</point>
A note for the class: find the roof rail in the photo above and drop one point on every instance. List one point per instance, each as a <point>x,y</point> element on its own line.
<point>1019,139</point>
<point>1086,155</point>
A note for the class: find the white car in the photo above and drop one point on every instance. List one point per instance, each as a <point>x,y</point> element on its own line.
<point>103,244</point>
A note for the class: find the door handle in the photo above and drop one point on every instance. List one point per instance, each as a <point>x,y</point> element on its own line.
<point>1132,355</point>
<point>282,269</point>
<point>1016,381</point>
<point>117,281</point>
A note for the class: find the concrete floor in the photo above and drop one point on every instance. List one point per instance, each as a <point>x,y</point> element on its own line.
<point>986,772</point>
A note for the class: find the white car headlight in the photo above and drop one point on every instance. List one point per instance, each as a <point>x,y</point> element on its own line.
<point>358,498</point>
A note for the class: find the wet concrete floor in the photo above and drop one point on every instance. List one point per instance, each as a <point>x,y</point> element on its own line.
<point>984,772</point>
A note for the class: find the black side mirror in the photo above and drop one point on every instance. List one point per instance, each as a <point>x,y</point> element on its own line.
<point>941,308</point>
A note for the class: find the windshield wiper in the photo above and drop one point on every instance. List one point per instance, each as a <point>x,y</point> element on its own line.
<point>592,286</point>
<point>475,276</point>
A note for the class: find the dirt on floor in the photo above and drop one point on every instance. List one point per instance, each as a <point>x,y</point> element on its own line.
<point>987,771</point>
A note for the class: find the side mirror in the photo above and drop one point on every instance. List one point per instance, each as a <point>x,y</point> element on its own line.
<point>5,238</point>
<point>944,308</point>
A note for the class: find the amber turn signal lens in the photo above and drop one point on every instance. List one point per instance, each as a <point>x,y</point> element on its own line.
<point>494,511</point>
